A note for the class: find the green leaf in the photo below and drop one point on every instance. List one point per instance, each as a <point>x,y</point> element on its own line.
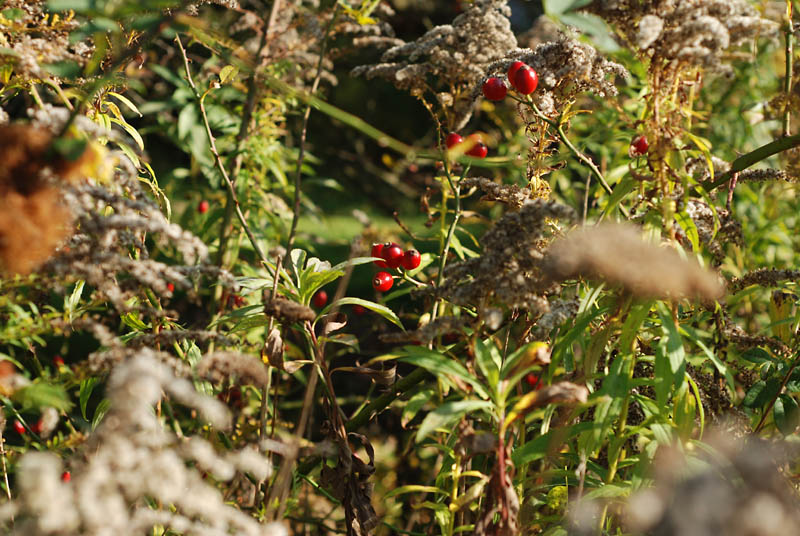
<point>786,414</point>
<point>227,73</point>
<point>414,404</point>
<point>67,5</point>
<point>64,69</point>
<point>13,13</point>
<point>402,490</point>
<point>100,412</point>
<point>448,414</point>
<point>42,395</point>
<point>439,365</point>
<point>127,102</point>
<point>87,386</point>
<point>487,362</point>
<point>382,310</point>
<point>538,447</point>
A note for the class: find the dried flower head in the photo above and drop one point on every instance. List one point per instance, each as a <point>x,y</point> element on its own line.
<point>694,32</point>
<point>222,365</point>
<point>450,60</point>
<point>616,253</point>
<point>509,270</point>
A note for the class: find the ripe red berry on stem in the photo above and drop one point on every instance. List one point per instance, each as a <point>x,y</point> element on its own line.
<point>639,145</point>
<point>494,89</point>
<point>202,208</point>
<point>320,299</point>
<point>382,281</point>
<point>392,254</point>
<point>66,476</point>
<point>58,361</point>
<point>19,428</point>
<point>359,309</point>
<point>533,380</point>
<point>36,428</point>
<point>479,150</point>
<point>411,259</point>
<point>377,251</point>
<point>171,287</point>
<point>453,139</point>
<point>512,71</point>
<point>526,80</point>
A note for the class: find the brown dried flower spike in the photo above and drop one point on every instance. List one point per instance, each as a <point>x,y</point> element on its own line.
<point>616,253</point>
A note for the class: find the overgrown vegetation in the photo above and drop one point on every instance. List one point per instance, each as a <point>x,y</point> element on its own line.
<point>259,275</point>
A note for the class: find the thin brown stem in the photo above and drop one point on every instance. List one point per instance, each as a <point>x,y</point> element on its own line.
<point>787,83</point>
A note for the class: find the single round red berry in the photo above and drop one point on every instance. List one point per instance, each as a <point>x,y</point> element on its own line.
<point>392,254</point>
<point>202,208</point>
<point>453,139</point>
<point>36,428</point>
<point>58,361</point>
<point>320,299</point>
<point>19,428</point>
<point>526,80</point>
<point>377,251</point>
<point>494,89</point>
<point>65,476</point>
<point>359,309</point>
<point>411,259</point>
<point>533,380</point>
<point>382,281</point>
<point>171,287</point>
<point>639,145</point>
<point>479,150</point>
<point>512,71</point>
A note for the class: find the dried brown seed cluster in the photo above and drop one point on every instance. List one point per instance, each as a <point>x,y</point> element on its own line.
<point>695,32</point>
<point>509,270</point>
<point>616,253</point>
<point>219,366</point>
<point>451,59</point>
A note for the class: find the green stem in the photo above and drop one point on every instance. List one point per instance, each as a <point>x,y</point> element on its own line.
<point>450,231</point>
<point>559,127</point>
<point>752,158</point>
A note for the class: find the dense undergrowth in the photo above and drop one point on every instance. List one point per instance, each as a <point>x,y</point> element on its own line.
<point>206,327</point>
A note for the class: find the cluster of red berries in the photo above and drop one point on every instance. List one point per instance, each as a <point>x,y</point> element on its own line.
<point>393,257</point>
<point>478,149</point>
<point>521,77</point>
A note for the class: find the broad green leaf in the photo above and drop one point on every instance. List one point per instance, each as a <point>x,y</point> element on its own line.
<point>786,414</point>
<point>127,102</point>
<point>382,310</point>
<point>487,363</point>
<point>100,411</point>
<point>41,395</point>
<point>447,414</point>
<point>439,364</point>
<point>227,73</point>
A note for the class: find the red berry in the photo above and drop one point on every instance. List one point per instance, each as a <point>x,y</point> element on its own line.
<point>411,259</point>
<point>639,145</point>
<point>58,361</point>
<point>202,208</point>
<point>452,140</point>
<point>382,282</point>
<point>19,428</point>
<point>526,80</point>
<point>171,287</point>
<point>36,428</point>
<point>377,250</point>
<point>392,254</point>
<point>320,299</point>
<point>512,71</point>
<point>533,380</point>
<point>359,309</point>
<point>479,150</point>
<point>494,89</point>
<point>65,476</point>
